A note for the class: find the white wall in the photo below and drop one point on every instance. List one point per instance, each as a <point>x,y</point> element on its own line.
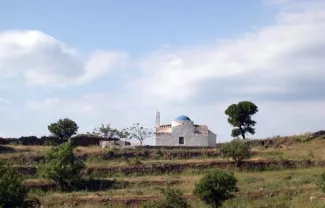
<point>212,139</point>
<point>190,139</point>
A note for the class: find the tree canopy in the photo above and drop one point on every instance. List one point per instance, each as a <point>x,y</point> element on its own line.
<point>137,132</point>
<point>63,128</point>
<point>106,131</point>
<point>240,117</point>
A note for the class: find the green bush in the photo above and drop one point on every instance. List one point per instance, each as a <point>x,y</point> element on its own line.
<point>320,183</point>
<point>62,166</point>
<point>215,187</point>
<point>172,198</point>
<point>12,191</point>
<point>237,149</point>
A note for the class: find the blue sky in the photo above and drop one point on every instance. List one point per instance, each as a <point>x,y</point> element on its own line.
<point>136,26</point>
<point>119,61</point>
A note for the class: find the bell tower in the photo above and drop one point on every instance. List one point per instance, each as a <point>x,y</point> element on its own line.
<point>157,118</point>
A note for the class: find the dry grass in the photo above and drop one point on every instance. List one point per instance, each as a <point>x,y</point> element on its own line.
<point>284,188</point>
<point>288,187</point>
<point>309,150</point>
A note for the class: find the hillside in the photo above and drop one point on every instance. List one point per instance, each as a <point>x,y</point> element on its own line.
<point>281,173</point>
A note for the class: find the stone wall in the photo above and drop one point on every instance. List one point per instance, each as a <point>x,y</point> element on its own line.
<point>114,144</point>
<point>175,167</point>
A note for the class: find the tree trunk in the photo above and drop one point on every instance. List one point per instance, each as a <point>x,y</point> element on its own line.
<point>61,185</point>
<point>242,131</point>
<point>243,135</point>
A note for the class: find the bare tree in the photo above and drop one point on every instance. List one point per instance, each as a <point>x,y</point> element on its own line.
<point>106,131</point>
<point>138,132</point>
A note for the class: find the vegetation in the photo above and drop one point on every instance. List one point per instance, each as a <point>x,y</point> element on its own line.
<point>62,166</point>
<point>215,187</point>
<point>138,132</point>
<point>106,131</point>
<point>239,116</point>
<point>237,149</point>
<point>321,182</point>
<point>12,191</point>
<point>172,198</point>
<point>63,128</point>
<point>111,181</point>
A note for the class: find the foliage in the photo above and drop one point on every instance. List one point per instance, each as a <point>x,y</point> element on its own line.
<point>12,191</point>
<point>62,166</point>
<point>237,149</point>
<point>63,128</point>
<point>106,131</point>
<point>137,132</point>
<point>172,198</point>
<point>320,183</point>
<point>240,117</point>
<point>32,140</point>
<point>85,139</point>
<point>215,187</point>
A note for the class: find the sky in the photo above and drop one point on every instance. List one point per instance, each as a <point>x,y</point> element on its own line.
<point>118,62</point>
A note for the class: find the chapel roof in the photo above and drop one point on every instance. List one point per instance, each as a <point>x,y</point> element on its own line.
<point>182,118</point>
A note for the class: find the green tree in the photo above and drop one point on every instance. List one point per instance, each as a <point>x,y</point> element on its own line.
<point>61,165</point>
<point>215,187</point>
<point>137,132</point>
<point>172,198</point>
<point>63,128</point>
<point>106,131</point>
<point>12,191</point>
<point>240,117</point>
<point>237,149</point>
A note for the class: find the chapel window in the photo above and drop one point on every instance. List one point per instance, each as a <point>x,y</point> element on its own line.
<point>181,140</point>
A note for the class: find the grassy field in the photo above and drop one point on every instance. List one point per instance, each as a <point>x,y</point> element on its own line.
<point>269,188</point>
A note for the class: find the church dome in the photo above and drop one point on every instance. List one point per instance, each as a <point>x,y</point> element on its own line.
<point>182,118</point>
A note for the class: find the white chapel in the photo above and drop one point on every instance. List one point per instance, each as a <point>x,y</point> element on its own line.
<point>183,132</point>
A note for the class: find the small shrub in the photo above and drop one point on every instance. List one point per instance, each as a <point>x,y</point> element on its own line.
<point>215,187</point>
<point>320,183</point>
<point>237,149</point>
<point>172,198</point>
<point>62,166</point>
<point>159,154</point>
<point>12,191</point>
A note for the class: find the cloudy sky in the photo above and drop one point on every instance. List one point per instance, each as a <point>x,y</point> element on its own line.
<point>118,62</point>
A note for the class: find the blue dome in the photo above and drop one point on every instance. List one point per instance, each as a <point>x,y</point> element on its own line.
<point>182,118</point>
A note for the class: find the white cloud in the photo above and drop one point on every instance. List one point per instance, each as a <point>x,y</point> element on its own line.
<point>277,59</point>
<point>44,60</point>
